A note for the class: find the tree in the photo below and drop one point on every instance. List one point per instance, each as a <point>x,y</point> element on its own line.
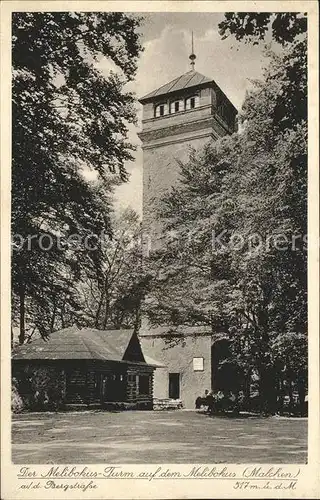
<point>183,288</point>
<point>282,140</point>
<point>68,119</point>
<point>290,356</point>
<point>111,294</point>
<point>253,26</point>
<point>251,188</point>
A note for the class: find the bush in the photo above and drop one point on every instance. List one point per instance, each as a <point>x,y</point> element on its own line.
<point>16,402</point>
<point>41,388</point>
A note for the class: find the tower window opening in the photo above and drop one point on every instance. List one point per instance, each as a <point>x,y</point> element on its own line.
<point>161,110</point>
<point>192,102</point>
<point>176,106</point>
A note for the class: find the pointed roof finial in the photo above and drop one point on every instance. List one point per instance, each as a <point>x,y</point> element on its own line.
<point>192,56</point>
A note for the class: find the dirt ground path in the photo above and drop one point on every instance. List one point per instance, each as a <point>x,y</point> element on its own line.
<point>156,437</point>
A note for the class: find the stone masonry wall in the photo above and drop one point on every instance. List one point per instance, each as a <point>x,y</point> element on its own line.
<point>166,141</point>
<point>178,356</point>
<point>160,173</point>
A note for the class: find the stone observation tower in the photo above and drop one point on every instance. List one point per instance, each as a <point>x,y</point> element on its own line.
<point>189,111</point>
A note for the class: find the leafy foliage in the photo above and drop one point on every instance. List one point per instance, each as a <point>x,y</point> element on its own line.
<point>253,26</point>
<point>111,294</point>
<point>16,400</point>
<point>236,259</point>
<point>68,120</point>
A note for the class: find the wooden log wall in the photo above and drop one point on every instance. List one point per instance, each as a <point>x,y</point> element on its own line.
<point>81,383</point>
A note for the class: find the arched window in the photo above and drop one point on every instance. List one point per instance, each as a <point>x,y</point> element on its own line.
<point>192,102</point>
<point>176,106</point>
<point>161,109</point>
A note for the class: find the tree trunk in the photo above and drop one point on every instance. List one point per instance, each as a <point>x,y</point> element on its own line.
<point>106,314</point>
<point>22,314</point>
<point>246,389</point>
<point>62,311</point>
<point>290,393</point>
<point>302,391</point>
<point>96,321</point>
<point>53,318</point>
<point>137,318</point>
<point>281,394</point>
<point>267,392</point>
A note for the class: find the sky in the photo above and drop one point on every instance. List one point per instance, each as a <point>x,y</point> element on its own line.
<point>166,38</point>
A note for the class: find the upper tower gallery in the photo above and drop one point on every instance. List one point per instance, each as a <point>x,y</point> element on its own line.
<point>188,111</point>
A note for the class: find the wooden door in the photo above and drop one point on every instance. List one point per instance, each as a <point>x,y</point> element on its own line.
<point>113,387</point>
<point>174,385</point>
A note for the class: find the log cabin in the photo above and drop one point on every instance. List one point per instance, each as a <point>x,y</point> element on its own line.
<point>84,368</point>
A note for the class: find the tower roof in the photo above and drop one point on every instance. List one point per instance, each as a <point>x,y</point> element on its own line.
<point>187,80</point>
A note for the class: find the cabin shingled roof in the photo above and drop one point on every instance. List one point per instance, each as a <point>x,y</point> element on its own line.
<point>74,343</point>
